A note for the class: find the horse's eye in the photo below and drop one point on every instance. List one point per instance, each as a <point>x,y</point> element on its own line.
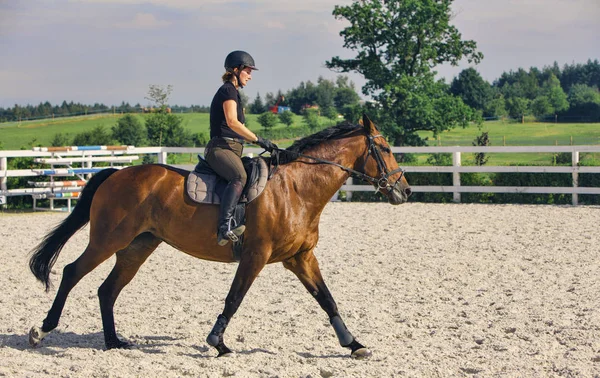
<point>385,149</point>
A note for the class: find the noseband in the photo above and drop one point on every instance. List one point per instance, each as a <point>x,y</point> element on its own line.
<point>381,182</point>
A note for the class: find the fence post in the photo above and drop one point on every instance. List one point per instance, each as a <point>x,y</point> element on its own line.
<point>575,174</point>
<point>350,181</point>
<point>456,175</point>
<point>3,167</point>
<point>162,157</point>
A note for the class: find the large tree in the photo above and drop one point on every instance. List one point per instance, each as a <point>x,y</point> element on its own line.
<point>472,88</point>
<point>398,45</point>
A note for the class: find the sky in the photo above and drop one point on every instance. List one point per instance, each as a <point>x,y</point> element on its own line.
<point>109,51</point>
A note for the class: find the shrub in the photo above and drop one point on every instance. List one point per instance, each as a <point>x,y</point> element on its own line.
<point>267,120</point>
<point>311,117</point>
<point>287,118</point>
<point>129,131</point>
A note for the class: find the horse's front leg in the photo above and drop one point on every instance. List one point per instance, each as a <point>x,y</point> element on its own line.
<point>306,267</point>
<point>250,265</point>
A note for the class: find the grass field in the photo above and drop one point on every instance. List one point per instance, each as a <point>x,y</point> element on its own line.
<point>15,135</point>
<point>517,134</point>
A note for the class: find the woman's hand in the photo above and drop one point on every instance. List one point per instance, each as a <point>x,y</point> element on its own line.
<point>266,144</point>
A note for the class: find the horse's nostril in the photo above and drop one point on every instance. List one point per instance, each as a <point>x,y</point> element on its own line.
<point>408,192</point>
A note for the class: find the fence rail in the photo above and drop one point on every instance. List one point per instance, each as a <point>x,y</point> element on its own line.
<point>87,157</point>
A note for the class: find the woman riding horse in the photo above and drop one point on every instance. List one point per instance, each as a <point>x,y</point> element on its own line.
<point>228,134</point>
<point>133,210</point>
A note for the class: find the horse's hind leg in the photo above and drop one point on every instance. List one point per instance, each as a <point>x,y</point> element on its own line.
<point>72,274</point>
<point>128,263</point>
<point>306,267</point>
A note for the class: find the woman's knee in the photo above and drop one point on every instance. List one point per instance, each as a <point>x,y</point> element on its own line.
<point>243,178</point>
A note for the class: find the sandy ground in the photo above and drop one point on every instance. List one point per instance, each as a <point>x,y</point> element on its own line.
<point>434,290</point>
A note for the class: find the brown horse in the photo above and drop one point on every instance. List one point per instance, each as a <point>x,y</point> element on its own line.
<point>133,210</point>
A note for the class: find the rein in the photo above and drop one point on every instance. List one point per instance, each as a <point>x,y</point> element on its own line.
<point>381,182</point>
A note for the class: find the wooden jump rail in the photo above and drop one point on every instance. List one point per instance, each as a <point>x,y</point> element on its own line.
<point>56,184</point>
<point>67,156</point>
<point>82,148</point>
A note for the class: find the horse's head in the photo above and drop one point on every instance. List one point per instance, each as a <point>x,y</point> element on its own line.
<point>380,163</point>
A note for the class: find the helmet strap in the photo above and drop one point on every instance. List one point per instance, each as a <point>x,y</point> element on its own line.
<point>237,76</point>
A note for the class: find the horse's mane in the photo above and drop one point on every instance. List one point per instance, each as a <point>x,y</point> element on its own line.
<point>333,132</point>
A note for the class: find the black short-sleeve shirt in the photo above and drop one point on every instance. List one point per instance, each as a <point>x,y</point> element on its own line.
<point>218,123</point>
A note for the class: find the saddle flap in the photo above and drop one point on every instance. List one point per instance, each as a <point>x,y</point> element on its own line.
<point>201,188</point>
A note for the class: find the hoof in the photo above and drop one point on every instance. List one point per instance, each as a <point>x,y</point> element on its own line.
<point>228,354</point>
<point>36,335</point>
<point>361,353</point>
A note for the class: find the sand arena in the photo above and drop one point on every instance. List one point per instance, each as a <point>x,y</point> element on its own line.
<point>432,289</point>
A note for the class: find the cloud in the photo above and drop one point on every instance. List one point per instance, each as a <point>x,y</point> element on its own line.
<point>275,25</point>
<point>143,21</point>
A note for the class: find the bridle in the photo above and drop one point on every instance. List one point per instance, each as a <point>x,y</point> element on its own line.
<point>382,182</point>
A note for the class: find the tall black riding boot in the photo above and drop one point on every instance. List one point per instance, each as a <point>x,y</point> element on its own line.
<point>227,229</point>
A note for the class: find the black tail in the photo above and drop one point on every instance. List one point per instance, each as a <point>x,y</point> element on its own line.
<point>45,254</point>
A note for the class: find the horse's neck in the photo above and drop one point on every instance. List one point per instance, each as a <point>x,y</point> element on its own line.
<point>318,182</point>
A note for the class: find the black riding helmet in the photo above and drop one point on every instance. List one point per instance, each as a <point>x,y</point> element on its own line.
<point>239,59</point>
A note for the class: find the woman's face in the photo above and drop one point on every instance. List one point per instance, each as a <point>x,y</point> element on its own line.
<point>245,76</point>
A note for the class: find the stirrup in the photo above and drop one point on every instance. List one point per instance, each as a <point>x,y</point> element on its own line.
<point>230,234</point>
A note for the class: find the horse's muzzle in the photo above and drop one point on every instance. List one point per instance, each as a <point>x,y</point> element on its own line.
<point>399,195</point>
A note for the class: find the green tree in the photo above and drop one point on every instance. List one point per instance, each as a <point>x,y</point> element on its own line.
<point>98,136</point>
<point>398,43</point>
<point>162,127</point>
<point>287,118</point>
<point>60,140</point>
<point>330,112</point>
<point>267,120</point>
<point>584,102</point>
<point>496,107</point>
<point>129,131</point>
<point>517,107</point>
<point>345,97</point>
<point>470,86</point>
<point>541,107</point>
<point>520,83</point>
<point>311,117</point>
<point>354,113</point>
<point>345,93</point>
<point>325,93</point>
<point>165,129</point>
<point>257,107</point>
<point>581,94</point>
<point>200,139</point>
<point>556,96</point>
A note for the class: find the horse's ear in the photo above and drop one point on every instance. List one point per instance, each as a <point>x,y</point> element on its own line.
<point>368,125</point>
<point>360,122</point>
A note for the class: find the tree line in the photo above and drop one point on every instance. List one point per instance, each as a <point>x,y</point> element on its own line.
<point>70,109</point>
<point>550,93</point>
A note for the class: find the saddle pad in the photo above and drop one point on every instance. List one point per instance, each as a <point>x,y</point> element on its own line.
<point>204,187</point>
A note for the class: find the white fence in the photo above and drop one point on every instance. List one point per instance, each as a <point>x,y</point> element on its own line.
<point>117,157</point>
